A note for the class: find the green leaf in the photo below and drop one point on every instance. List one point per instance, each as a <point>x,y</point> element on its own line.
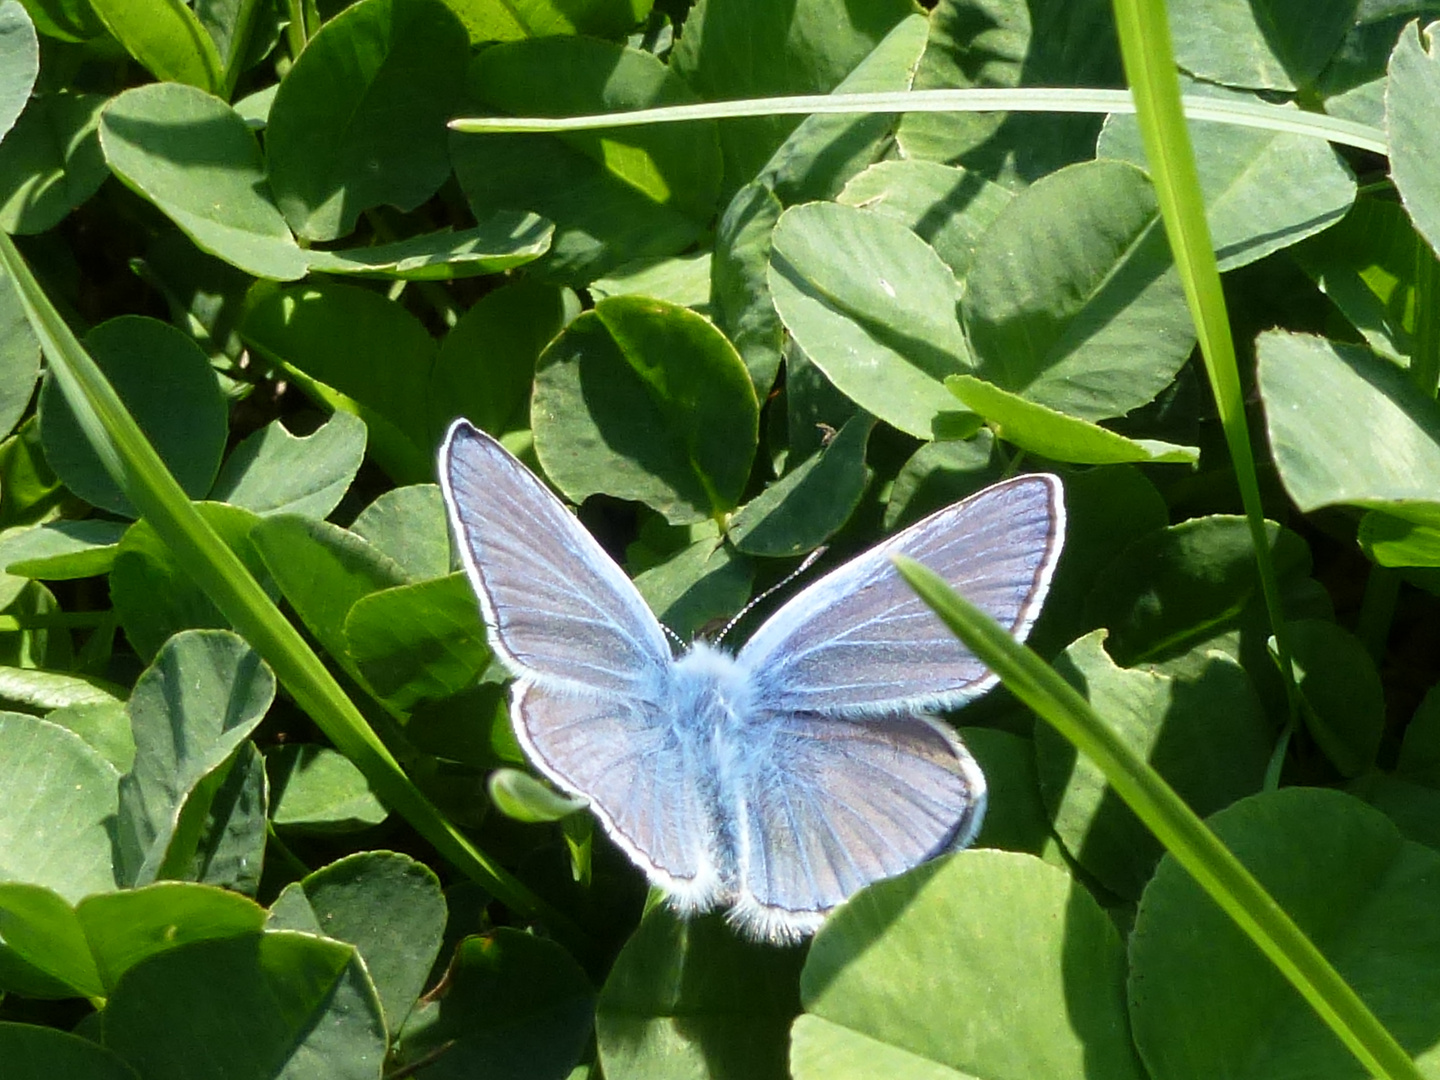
<point>686,997</point>
<point>644,400</point>
<point>370,350</point>
<point>322,570</point>
<point>124,928</point>
<point>230,848</point>
<point>1019,822</point>
<point>50,162</point>
<point>704,581</point>
<point>1344,703</point>
<point>614,196</point>
<point>938,474</point>
<point>166,38</point>
<point>153,595</point>
<point>166,381</point>
<point>388,906</point>
<point>873,307</point>
<point>949,208</point>
<point>740,299</point>
<point>512,20</point>
<point>196,159</point>
<point>507,239</point>
<point>408,525</point>
<point>57,801</point>
<point>486,364</point>
<point>360,119</point>
<point>1073,301</point>
<point>1420,752</point>
<point>677,279</point>
<point>1204,1002</point>
<point>62,550</point>
<point>1001,44</point>
<point>19,62</point>
<point>305,1001</point>
<point>104,725</point>
<point>511,1004</point>
<point>1106,510</point>
<point>190,711</point>
<point>755,48</point>
<point>1015,947</point>
<point>1264,190</point>
<point>1181,585</point>
<point>1320,395</point>
<point>1267,45</point>
<point>418,641</point>
<point>826,150</point>
<point>1205,733</point>
<point>19,357</point>
<point>40,929</point>
<point>42,691</point>
<point>317,790</point>
<point>274,472</point>
<point>805,507</point>
<point>521,797</point>
<point>32,1052</point>
<point>1366,265</point>
<point>1051,434</point>
<point>1413,88</point>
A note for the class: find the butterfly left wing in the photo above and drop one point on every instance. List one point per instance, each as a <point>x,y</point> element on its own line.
<point>860,642</point>
<point>831,805</point>
<point>842,780</point>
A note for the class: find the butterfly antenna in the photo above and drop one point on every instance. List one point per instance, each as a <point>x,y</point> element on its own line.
<point>808,562</point>
<point>675,637</point>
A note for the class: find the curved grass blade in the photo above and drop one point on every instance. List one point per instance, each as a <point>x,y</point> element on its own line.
<point>1023,99</point>
<point>132,461</point>
<point>1150,69</point>
<point>1184,835</point>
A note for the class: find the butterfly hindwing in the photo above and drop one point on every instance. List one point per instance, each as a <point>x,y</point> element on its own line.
<point>831,805</point>
<point>560,611</point>
<point>645,782</point>
<point>860,641</point>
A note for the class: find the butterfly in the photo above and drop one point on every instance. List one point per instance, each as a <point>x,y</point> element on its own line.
<point>778,780</point>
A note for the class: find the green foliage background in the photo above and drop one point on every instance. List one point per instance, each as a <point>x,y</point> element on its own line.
<point>728,342</point>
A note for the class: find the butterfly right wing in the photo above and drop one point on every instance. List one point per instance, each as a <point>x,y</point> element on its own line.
<point>645,782</point>
<point>594,669</point>
<point>560,612</point>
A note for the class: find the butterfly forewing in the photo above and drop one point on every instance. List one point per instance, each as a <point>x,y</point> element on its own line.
<point>861,642</point>
<point>559,609</point>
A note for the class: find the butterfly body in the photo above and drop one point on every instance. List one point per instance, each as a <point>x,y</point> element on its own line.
<point>779,780</point>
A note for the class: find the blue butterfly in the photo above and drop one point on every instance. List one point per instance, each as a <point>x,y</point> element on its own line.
<point>779,780</point>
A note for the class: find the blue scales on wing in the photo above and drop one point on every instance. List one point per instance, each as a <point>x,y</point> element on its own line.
<point>590,704</point>
<point>843,780</point>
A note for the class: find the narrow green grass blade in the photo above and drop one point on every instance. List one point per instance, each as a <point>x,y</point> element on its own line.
<point>1150,68</point>
<point>132,461</point>
<point>1021,99</point>
<point>1184,835</point>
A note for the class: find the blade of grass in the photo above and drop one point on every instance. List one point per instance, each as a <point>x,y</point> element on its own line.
<point>1184,835</point>
<point>1021,99</point>
<point>1150,68</point>
<point>132,461</point>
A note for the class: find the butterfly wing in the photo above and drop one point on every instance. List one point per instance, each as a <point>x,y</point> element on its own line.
<point>645,781</point>
<point>860,641</point>
<point>560,612</point>
<point>834,804</point>
<point>845,782</point>
<point>590,706</point>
